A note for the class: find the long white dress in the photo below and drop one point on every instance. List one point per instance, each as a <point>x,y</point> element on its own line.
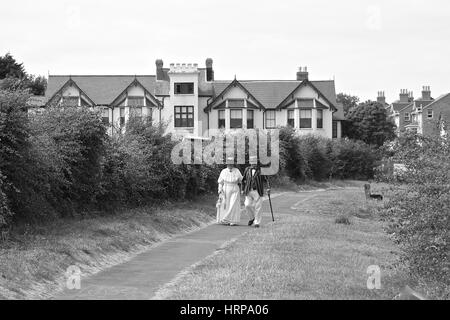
<point>228,183</point>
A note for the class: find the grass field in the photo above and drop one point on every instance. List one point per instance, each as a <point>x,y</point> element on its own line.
<point>304,255</point>
<point>33,262</point>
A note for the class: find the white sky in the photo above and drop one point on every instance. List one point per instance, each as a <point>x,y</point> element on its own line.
<point>366,45</point>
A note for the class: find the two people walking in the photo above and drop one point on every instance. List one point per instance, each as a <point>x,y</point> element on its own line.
<point>229,188</point>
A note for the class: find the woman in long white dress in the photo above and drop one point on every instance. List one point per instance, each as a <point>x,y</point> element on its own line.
<point>229,181</point>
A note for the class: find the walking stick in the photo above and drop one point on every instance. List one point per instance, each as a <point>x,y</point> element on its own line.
<point>270,203</point>
<point>270,200</point>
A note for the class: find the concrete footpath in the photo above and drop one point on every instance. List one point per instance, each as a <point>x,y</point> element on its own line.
<point>142,276</point>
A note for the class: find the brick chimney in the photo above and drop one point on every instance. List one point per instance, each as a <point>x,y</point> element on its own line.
<point>381,98</point>
<point>159,69</point>
<point>426,93</point>
<point>302,74</point>
<point>404,96</point>
<point>209,70</point>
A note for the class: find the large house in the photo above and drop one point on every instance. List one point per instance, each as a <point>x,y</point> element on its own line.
<point>190,101</point>
<point>424,115</point>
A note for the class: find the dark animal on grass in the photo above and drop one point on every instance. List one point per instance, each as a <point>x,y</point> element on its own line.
<point>370,195</point>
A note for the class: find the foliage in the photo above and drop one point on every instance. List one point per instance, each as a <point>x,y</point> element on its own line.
<point>14,77</point>
<point>317,158</point>
<point>348,101</point>
<point>418,213</point>
<point>352,159</point>
<point>292,162</point>
<point>369,122</point>
<point>9,67</point>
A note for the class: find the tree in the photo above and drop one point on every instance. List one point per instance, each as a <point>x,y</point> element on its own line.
<point>369,122</point>
<point>348,101</point>
<point>14,77</point>
<point>9,67</point>
<point>37,85</point>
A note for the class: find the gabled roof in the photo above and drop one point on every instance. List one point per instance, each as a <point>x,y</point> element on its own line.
<point>101,89</point>
<point>136,82</point>
<point>302,84</point>
<point>270,93</point>
<point>230,85</point>
<point>70,82</point>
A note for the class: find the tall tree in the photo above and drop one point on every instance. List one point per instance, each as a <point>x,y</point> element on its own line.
<point>14,77</point>
<point>9,67</point>
<point>348,101</point>
<point>369,122</point>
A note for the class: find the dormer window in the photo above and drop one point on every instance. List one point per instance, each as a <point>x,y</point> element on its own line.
<point>184,88</point>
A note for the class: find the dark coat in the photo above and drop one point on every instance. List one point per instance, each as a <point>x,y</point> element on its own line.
<point>250,182</point>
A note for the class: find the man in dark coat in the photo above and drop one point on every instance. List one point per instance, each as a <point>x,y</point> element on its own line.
<point>253,189</point>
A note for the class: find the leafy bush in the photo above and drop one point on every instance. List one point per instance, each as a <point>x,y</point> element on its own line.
<point>5,213</point>
<point>318,158</point>
<point>314,151</point>
<point>292,161</point>
<point>418,213</point>
<point>68,145</point>
<point>352,159</point>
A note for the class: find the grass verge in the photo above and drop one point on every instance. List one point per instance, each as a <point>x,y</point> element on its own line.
<point>33,262</point>
<point>304,255</point>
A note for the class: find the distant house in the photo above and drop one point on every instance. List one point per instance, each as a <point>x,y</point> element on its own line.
<point>424,115</point>
<point>190,100</point>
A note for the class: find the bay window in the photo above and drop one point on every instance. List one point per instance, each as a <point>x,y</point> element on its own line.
<point>306,118</point>
<point>221,119</point>
<point>270,119</point>
<point>235,119</point>
<point>105,116</point>
<point>319,118</point>
<point>122,117</point>
<point>291,118</point>
<point>250,119</point>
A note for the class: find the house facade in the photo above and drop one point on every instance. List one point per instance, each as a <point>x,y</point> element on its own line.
<point>189,100</point>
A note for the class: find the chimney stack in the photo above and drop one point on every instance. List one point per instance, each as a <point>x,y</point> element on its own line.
<point>381,98</point>
<point>404,96</point>
<point>302,74</point>
<point>426,93</point>
<point>159,69</point>
<point>209,70</point>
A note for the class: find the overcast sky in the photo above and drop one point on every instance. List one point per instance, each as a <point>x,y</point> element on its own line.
<point>365,45</point>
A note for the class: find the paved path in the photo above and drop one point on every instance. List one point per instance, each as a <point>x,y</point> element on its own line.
<point>142,276</point>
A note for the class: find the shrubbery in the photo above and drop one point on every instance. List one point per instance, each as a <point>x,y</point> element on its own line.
<point>419,212</point>
<point>316,158</point>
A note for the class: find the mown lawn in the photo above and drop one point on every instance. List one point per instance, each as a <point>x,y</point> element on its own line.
<point>304,255</point>
<point>34,260</point>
